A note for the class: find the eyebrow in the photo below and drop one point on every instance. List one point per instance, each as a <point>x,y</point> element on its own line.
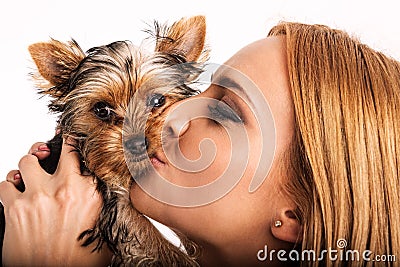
<point>227,82</point>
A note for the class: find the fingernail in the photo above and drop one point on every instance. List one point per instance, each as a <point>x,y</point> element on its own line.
<point>17,176</point>
<point>44,147</point>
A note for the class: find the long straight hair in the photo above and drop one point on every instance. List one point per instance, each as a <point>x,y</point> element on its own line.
<point>345,158</point>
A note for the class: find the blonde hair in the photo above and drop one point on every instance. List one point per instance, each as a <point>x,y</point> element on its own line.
<point>346,154</point>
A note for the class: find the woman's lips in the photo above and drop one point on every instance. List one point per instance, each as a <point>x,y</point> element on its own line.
<point>157,161</point>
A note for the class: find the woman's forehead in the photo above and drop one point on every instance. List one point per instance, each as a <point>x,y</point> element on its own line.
<point>263,62</point>
<point>266,48</point>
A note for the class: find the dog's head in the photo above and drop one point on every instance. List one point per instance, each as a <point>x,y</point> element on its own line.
<point>111,99</point>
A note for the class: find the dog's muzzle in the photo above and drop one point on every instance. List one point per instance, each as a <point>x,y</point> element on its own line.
<point>136,145</point>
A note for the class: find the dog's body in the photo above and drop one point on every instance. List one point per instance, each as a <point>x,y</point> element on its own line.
<point>111,102</point>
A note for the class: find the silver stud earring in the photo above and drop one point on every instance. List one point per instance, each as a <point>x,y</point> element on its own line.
<point>278,223</point>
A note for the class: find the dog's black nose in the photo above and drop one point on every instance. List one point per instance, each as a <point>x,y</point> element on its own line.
<point>137,145</point>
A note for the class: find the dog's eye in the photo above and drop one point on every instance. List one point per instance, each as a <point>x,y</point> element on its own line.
<point>102,111</point>
<point>156,101</point>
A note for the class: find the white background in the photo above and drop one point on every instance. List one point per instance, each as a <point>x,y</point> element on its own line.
<point>231,25</point>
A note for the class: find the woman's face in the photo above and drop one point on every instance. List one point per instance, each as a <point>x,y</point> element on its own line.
<point>240,220</point>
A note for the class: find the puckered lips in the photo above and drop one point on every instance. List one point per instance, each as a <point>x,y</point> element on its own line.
<point>158,159</point>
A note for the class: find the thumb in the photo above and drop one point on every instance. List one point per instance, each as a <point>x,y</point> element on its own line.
<point>69,159</point>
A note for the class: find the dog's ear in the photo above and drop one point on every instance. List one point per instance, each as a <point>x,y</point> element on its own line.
<point>185,37</point>
<point>55,62</point>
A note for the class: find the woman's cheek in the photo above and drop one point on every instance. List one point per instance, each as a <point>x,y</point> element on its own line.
<point>210,145</point>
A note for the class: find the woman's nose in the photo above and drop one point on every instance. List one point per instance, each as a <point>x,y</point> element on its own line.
<point>178,120</point>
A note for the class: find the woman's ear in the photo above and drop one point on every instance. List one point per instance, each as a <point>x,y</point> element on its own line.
<point>286,226</point>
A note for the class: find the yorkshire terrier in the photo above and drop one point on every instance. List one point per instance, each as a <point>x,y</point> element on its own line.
<point>111,102</point>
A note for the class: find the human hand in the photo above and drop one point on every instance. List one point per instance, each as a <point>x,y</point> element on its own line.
<point>44,221</point>
<point>41,151</point>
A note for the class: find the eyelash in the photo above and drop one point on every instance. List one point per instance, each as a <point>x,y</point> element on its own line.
<point>224,113</point>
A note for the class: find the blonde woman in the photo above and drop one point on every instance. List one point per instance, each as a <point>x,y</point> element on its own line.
<point>330,197</point>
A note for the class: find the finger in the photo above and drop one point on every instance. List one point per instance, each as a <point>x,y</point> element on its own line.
<point>15,178</point>
<point>8,192</point>
<point>69,159</point>
<point>31,171</point>
<point>36,147</point>
<point>40,150</point>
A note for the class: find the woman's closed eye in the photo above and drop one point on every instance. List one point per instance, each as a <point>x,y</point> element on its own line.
<point>223,112</point>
